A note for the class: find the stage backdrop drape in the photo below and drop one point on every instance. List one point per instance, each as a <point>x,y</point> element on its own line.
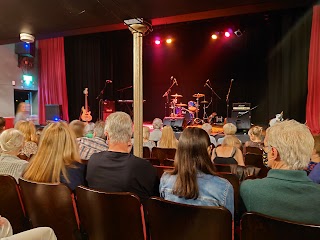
<point>313,101</point>
<point>52,76</point>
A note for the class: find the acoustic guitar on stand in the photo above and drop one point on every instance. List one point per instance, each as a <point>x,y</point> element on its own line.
<point>86,114</point>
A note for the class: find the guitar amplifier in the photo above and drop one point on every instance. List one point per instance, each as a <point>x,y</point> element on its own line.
<point>108,107</point>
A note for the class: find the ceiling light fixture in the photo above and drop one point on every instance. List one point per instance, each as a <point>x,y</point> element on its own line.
<point>26,37</point>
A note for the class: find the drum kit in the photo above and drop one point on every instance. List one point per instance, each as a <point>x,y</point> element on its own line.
<point>191,110</point>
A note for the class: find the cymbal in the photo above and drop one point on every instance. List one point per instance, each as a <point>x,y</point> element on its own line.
<point>176,95</point>
<point>198,95</point>
<point>181,105</point>
<point>205,102</point>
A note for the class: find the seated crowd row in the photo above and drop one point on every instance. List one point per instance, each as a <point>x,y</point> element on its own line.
<point>111,167</point>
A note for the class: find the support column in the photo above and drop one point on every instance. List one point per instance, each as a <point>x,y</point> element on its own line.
<point>137,30</point>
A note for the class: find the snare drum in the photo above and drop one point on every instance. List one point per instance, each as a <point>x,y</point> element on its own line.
<point>192,106</point>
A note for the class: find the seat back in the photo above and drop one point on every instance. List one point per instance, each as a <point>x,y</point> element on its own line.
<point>169,220</point>
<point>154,161</point>
<point>109,215</point>
<point>258,226</point>
<point>146,152</point>
<point>234,180</point>
<point>254,150</point>
<point>230,168</point>
<point>256,160</point>
<point>10,204</point>
<point>163,153</point>
<point>162,169</point>
<point>168,162</point>
<point>50,205</point>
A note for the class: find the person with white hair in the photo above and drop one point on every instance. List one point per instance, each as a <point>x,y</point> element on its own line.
<point>156,134</point>
<point>286,192</point>
<point>11,142</point>
<point>117,170</point>
<point>208,128</point>
<point>89,146</point>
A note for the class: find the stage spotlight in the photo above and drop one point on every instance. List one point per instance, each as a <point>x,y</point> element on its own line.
<point>227,34</point>
<point>157,42</point>
<point>214,36</point>
<point>238,33</point>
<point>169,40</point>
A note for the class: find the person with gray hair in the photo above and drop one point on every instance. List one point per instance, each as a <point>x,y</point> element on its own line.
<point>89,146</point>
<point>156,134</point>
<point>287,191</point>
<point>117,170</point>
<point>228,129</point>
<point>208,128</point>
<point>11,142</point>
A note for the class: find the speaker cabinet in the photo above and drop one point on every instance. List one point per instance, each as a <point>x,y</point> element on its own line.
<point>108,107</point>
<point>53,112</point>
<point>177,123</point>
<point>242,123</point>
<point>25,49</point>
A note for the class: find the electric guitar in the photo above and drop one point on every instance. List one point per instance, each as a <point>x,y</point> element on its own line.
<point>86,114</point>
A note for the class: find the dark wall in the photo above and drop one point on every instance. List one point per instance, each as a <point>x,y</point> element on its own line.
<point>268,64</point>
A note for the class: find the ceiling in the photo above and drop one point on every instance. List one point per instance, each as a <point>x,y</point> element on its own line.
<point>50,18</point>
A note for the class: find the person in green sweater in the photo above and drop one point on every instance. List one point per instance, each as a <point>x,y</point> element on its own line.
<point>286,192</point>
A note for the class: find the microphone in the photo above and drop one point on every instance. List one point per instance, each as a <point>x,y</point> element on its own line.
<point>171,77</point>
<point>232,80</point>
<point>108,81</point>
<point>206,82</point>
<point>175,80</point>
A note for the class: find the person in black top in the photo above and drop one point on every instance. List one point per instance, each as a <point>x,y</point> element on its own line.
<point>117,170</point>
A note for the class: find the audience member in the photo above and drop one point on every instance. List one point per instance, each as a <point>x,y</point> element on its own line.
<point>77,127</point>
<point>2,124</point>
<point>11,142</point>
<point>30,147</point>
<point>315,174</point>
<point>57,159</point>
<point>22,112</point>
<point>168,139</point>
<point>228,129</point>
<point>208,128</point>
<point>228,152</point>
<point>117,170</point>
<point>286,192</point>
<point>315,157</point>
<point>88,130</point>
<point>155,135</point>
<point>256,138</point>
<point>193,180</point>
<point>88,146</point>
<point>146,142</point>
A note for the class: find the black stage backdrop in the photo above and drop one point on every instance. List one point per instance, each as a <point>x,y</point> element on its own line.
<point>268,63</point>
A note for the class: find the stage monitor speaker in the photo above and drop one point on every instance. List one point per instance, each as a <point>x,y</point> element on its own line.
<point>241,123</point>
<point>177,123</point>
<point>108,107</point>
<point>53,112</point>
<point>25,49</point>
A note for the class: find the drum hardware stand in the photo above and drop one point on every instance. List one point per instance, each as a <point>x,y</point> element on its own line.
<point>197,120</point>
<point>227,97</point>
<point>205,115</point>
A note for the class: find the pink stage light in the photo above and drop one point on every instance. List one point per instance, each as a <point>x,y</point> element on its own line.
<point>157,42</point>
<point>227,34</point>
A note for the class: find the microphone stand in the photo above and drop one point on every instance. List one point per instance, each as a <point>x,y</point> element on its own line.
<point>227,98</point>
<point>213,91</point>
<point>101,100</point>
<point>166,94</point>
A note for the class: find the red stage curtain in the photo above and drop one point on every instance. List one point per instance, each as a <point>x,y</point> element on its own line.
<point>313,100</point>
<point>52,76</point>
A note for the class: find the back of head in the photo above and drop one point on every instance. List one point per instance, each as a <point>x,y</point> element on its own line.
<point>293,141</point>
<point>157,123</point>
<point>11,141</point>
<point>2,124</point>
<point>231,141</point>
<point>28,129</point>
<point>256,132</point>
<point>168,139</point>
<point>192,156</point>
<point>77,127</point>
<point>118,127</point>
<point>317,144</point>
<point>98,129</point>
<point>207,127</point>
<point>146,133</point>
<point>57,149</point>
<point>89,128</point>
<point>229,129</point>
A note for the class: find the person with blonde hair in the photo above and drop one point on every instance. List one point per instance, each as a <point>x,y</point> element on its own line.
<point>229,152</point>
<point>193,180</point>
<point>228,129</point>
<point>77,127</point>
<point>117,170</point>
<point>168,139</point>
<point>146,142</point>
<point>156,134</point>
<point>30,147</point>
<point>57,159</point>
<point>256,138</point>
<point>11,142</point>
<point>22,112</point>
<point>286,192</point>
